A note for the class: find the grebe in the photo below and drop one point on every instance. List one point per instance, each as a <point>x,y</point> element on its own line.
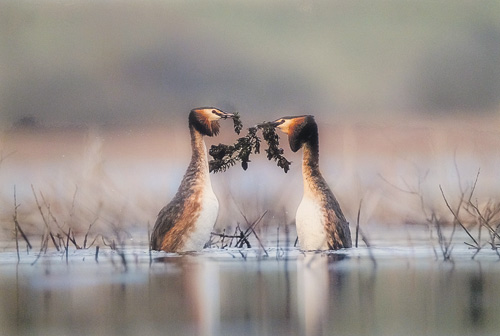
<point>321,225</point>
<point>186,222</point>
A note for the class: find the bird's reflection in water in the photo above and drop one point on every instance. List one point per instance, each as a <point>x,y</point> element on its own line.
<point>201,291</point>
<point>313,291</point>
<point>315,281</point>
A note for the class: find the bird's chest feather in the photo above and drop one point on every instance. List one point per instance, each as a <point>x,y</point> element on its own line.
<point>207,210</point>
<point>310,221</point>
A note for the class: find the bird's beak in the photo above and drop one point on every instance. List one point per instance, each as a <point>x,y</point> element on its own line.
<point>275,123</point>
<point>225,115</point>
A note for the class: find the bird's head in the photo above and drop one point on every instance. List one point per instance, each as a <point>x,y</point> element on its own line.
<point>299,129</point>
<point>205,119</point>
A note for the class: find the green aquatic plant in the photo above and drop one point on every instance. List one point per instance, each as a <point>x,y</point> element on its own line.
<point>274,151</point>
<point>225,156</point>
<point>238,125</point>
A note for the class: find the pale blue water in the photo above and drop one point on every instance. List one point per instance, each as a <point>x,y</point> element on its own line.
<point>397,287</point>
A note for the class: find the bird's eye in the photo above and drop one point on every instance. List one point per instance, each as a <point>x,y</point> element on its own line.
<point>214,112</point>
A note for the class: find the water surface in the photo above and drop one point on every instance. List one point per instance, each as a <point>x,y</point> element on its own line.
<point>392,288</point>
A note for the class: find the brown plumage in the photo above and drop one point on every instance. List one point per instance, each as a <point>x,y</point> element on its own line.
<point>186,222</point>
<point>321,225</point>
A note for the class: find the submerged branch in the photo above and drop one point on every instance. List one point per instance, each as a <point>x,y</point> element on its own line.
<point>18,227</point>
<point>455,215</point>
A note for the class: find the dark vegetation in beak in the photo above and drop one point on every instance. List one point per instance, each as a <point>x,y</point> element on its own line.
<point>274,151</point>
<point>225,156</point>
<point>238,125</point>
<point>235,116</point>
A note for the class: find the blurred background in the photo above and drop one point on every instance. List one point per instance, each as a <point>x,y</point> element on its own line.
<point>120,62</point>
<point>94,97</point>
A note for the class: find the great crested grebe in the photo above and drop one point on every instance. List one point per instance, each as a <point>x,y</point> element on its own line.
<point>321,225</point>
<point>186,222</point>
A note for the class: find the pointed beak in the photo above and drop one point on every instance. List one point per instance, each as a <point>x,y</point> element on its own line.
<point>275,123</point>
<point>225,115</point>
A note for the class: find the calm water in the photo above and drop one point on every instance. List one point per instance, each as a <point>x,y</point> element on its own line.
<point>394,288</point>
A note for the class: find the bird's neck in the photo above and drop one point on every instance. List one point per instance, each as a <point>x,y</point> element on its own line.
<point>310,166</point>
<point>198,167</point>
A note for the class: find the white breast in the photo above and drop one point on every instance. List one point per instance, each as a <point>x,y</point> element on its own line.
<point>208,214</point>
<point>205,222</point>
<point>310,222</point>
